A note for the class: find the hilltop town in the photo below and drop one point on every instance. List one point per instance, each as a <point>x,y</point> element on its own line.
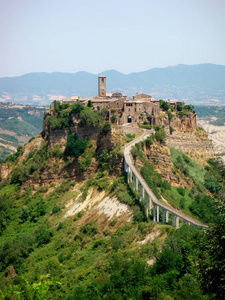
<point>140,108</point>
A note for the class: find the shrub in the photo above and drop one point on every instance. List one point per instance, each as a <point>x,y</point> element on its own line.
<point>212,185</point>
<point>75,147</point>
<point>43,236</point>
<point>60,226</point>
<point>105,128</point>
<point>149,141</point>
<point>171,130</point>
<point>181,191</point>
<point>179,106</point>
<point>188,107</point>
<point>164,105</point>
<point>54,123</point>
<point>160,135</point>
<point>113,118</point>
<point>56,209</point>
<point>89,229</point>
<point>182,113</point>
<point>77,107</point>
<point>104,113</point>
<point>89,118</point>
<point>170,115</point>
<point>90,103</point>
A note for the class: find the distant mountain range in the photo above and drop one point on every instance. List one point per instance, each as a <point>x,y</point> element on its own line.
<point>196,84</point>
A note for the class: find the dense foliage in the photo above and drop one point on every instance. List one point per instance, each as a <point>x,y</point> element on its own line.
<point>45,255</point>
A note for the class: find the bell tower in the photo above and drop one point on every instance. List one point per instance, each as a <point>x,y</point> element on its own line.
<point>102,86</point>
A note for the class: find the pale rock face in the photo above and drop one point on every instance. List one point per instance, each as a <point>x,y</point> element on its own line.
<point>192,144</point>
<point>58,137</point>
<point>183,124</point>
<point>216,134</point>
<point>5,171</point>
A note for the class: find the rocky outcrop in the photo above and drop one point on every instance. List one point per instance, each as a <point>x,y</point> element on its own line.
<point>195,145</point>
<point>57,137</point>
<point>181,123</point>
<point>160,156</point>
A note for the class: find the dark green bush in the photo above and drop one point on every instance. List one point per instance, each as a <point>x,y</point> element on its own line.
<point>181,191</point>
<point>104,113</point>
<point>56,209</point>
<point>105,128</point>
<point>89,229</point>
<point>160,135</point>
<point>78,107</point>
<point>60,226</point>
<point>89,118</point>
<point>212,185</point>
<point>43,236</point>
<point>163,105</point>
<point>75,147</point>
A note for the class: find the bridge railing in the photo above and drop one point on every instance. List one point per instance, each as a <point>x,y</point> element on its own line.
<point>145,193</point>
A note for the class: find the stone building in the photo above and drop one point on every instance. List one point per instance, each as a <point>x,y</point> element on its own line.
<point>140,108</point>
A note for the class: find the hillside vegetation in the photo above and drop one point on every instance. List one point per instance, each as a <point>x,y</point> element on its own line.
<point>71,227</point>
<point>17,125</point>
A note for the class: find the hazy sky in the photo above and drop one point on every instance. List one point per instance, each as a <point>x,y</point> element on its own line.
<point>97,35</point>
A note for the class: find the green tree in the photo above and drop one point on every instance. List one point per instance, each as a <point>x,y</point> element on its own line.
<point>90,103</point>
<point>179,106</point>
<point>164,105</point>
<point>212,265</point>
<point>105,128</point>
<point>77,107</point>
<point>160,135</point>
<point>89,118</point>
<point>75,147</point>
<point>170,115</point>
<point>104,113</point>
<point>212,185</point>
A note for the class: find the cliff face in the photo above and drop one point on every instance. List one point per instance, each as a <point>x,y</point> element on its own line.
<point>181,123</point>
<point>55,166</point>
<point>196,144</point>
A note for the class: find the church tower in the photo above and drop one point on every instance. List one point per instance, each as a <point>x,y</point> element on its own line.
<point>102,86</point>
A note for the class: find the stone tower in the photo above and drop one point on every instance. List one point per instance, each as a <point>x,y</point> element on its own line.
<point>102,86</point>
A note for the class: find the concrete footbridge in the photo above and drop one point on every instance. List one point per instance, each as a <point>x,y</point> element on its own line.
<point>159,210</point>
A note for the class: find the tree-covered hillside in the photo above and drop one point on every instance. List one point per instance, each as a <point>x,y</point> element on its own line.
<point>17,125</point>
<point>208,112</point>
<point>72,228</point>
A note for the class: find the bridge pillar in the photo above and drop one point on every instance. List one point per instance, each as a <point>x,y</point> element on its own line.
<point>150,205</point>
<point>154,209</point>
<point>177,222</point>
<point>173,220</point>
<point>136,184</point>
<point>163,216</point>
<point>146,204</point>
<point>128,175</point>
<point>131,175</point>
<point>143,193</point>
<point>167,216</point>
<point>140,191</point>
<point>157,217</point>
